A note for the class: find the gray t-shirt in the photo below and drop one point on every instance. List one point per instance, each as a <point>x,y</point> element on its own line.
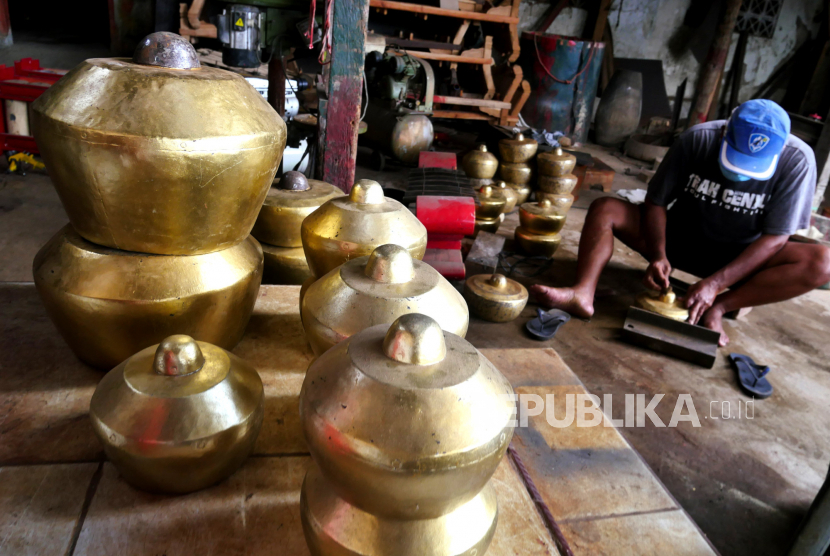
<point>723,210</point>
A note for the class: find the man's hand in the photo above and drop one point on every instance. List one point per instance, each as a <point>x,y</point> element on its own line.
<point>700,297</point>
<point>657,274</point>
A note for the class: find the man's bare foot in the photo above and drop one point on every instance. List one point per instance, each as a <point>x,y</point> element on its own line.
<point>567,299</point>
<point>713,320</point>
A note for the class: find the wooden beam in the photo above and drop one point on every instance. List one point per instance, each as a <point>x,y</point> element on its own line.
<point>431,10</point>
<point>478,102</point>
<point>449,57</point>
<point>459,115</point>
<point>602,20</point>
<point>340,119</point>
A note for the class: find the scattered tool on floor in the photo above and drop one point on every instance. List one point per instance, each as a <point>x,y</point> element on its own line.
<point>752,376</point>
<point>547,323</point>
<point>666,335</point>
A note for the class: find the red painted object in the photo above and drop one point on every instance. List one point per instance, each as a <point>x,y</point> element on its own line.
<point>429,159</point>
<point>448,262</point>
<point>25,81</point>
<point>447,215</point>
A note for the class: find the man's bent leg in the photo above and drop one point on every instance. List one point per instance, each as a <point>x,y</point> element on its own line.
<point>607,217</point>
<point>795,270</point>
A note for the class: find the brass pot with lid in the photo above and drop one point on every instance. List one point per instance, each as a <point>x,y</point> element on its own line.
<point>406,425</point>
<point>491,203</point>
<point>108,304</point>
<point>558,185</point>
<point>178,416</point>
<point>156,154</point>
<point>490,225</point>
<point>519,173</point>
<point>523,192</point>
<point>555,163</point>
<point>518,149</point>
<point>479,163</point>
<point>278,225</point>
<point>494,297</point>
<point>541,218</point>
<point>537,245</point>
<point>664,303</point>
<point>376,289</point>
<point>560,201</point>
<point>511,196</point>
<point>345,228</point>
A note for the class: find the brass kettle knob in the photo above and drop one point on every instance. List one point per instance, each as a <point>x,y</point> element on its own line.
<point>166,50</point>
<point>390,264</point>
<point>367,192</point>
<point>415,339</point>
<point>178,355</point>
<point>294,181</point>
<point>498,281</point>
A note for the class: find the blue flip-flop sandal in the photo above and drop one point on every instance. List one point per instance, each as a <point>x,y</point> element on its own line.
<point>547,323</point>
<point>752,376</point>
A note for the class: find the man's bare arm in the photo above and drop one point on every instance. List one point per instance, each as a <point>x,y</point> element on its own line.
<point>654,232</point>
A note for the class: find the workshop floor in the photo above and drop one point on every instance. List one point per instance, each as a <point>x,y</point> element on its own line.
<point>746,482</point>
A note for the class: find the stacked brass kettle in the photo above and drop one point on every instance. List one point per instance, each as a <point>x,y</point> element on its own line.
<point>178,416</point>
<point>516,167</point>
<point>378,289</point>
<point>346,228</point>
<point>480,163</point>
<point>406,425</point>
<point>494,297</point>
<point>511,198</point>
<point>161,199</point>
<point>556,182</point>
<point>517,150</point>
<point>277,227</point>
<point>539,227</point>
<point>489,210</point>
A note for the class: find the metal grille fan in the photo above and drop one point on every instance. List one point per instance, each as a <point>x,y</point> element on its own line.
<point>759,17</point>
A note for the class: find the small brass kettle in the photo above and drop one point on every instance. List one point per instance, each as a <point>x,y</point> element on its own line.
<point>518,149</point>
<point>178,416</point>
<point>491,203</point>
<point>541,218</point>
<point>345,228</point>
<point>406,425</point>
<point>480,163</point>
<point>555,163</point>
<point>494,297</point>
<point>158,154</point>
<point>376,289</point>
<point>664,303</point>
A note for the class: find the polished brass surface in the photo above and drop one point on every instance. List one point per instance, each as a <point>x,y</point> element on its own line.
<point>523,191</point>
<point>166,50</point>
<point>284,265</point>
<point>494,297</point>
<point>286,206</point>
<point>519,173</point>
<point>560,201</point>
<point>541,218</point>
<point>558,185</point>
<point>479,163</point>
<point>538,245</point>
<point>487,225</point>
<point>378,289</point>
<point>158,160</point>
<point>109,304</point>
<point>518,149</point>
<point>491,203</point>
<point>555,163</point>
<point>411,134</point>
<point>406,424</point>
<point>178,416</point>
<point>663,303</point>
<point>511,196</point>
<point>332,526</point>
<point>346,228</point>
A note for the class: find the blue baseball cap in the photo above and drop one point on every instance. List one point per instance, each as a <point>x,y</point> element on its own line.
<point>755,136</point>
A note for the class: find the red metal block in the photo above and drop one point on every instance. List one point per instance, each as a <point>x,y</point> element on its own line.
<point>429,159</point>
<point>448,262</point>
<point>447,215</point>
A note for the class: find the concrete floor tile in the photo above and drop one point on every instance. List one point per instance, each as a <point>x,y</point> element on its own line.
<point>40,506</point>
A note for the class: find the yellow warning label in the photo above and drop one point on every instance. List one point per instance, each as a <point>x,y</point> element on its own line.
<point>239,23</point>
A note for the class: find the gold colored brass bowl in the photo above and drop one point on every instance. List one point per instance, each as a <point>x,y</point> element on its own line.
<point>487,225</point>
<point>663,303</point>
<point>558,185</point>
<point>494,297</point>
<point>285,266</point>
<point>555,163</point>
<point>109,304</point>
<point>178,416</point>
<point>406,425</point>
<point>376,289</point>
<point>287,204</point>
<point>541,218</point>
<point>537,245</point>
<point>491,203</point>
<point>154,159</point>
<point>511,196</point>
<point>479,163</point>
<point>519,173</point>
<point>346,228</point>
<point>560,201</point>
<point>523,191</point>
<point>518,149</point>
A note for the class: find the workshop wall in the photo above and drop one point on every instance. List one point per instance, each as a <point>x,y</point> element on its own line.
<point>654,29</point>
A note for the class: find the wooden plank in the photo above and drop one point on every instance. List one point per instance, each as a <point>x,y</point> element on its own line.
<point>344,88</point>
<point>415,43</point>
<point>449,57</point>
<point>602,20</point>
<point>488,71</point>
<point>452,115</point>
<point>464,101</point>
<point>430,10</point>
